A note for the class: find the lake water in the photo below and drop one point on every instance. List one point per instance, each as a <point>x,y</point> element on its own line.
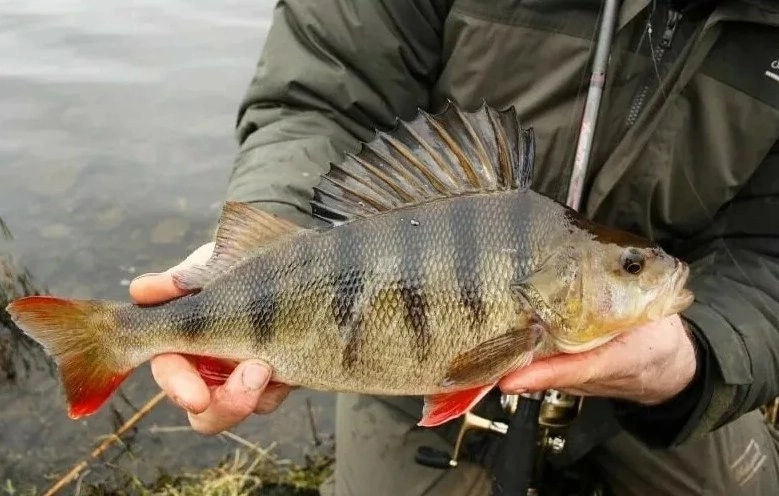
<point>116,146</point>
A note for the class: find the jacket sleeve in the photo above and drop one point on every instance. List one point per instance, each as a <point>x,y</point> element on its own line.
<point>331,72</point>
<point>734,319</point>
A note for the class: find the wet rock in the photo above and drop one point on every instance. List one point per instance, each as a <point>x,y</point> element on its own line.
<point>110,218</point>
<point>56,180</point>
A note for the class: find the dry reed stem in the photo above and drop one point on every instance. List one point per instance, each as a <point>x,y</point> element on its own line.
<point>112,438</point>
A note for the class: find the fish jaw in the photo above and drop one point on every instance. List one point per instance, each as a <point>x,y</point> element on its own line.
<point>683,300</point>
<point>572,347</point>
<point>680,296</point>
<point>684,296</point>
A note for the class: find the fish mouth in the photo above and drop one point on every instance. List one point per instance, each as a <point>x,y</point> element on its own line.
<point>683,297</point>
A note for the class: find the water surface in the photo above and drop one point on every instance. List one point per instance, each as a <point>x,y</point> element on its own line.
<point>117,142</point>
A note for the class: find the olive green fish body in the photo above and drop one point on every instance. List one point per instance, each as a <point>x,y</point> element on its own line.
<point>383,305</point>
<point>439,272</point>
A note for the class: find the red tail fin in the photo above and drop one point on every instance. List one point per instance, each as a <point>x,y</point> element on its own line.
<point>73,332</point>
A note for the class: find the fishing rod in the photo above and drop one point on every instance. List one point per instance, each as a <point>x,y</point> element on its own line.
<point>517,470</point>
<point>553,410</point>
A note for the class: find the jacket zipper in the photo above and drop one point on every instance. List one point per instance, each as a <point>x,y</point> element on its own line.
<point>671,23</point>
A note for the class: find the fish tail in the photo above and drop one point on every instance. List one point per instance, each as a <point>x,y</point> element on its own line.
<point>74,333</point>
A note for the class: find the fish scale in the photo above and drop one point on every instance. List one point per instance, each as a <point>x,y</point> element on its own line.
<point>439,271</point>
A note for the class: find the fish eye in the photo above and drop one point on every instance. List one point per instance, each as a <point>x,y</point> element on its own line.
<point>632,261</point>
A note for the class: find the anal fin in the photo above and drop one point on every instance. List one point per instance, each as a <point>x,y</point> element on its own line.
<point>441,408</point>
<point>213,370</point>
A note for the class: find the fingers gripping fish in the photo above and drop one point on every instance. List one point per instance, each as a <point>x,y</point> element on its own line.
<point>440,271</point>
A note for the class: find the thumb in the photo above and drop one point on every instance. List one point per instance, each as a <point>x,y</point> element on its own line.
<point>159,287</point>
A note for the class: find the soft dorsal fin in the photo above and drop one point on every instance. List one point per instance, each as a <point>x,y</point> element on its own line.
<point>242,230</point>
<point>432,156</point>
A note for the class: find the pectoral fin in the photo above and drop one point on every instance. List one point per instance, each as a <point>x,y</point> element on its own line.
<point>441,408</point>
<point>483,364</point>
<point>488,361</point>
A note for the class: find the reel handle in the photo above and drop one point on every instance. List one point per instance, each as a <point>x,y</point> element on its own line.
<point>515,463</point>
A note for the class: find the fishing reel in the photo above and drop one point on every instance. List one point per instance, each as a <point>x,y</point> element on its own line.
<point>547,414</point>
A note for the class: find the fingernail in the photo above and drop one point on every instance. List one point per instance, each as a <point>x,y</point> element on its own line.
<point>255,376</point>
<point>148,274</point>
<point>512,389</point>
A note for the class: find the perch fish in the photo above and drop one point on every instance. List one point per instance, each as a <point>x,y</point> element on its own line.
<point>440,270</point>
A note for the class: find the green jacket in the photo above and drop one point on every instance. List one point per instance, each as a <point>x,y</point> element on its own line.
<point>693,165</point>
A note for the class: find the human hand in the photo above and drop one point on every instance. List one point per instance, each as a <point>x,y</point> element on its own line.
<point>649,365</point>
<point>210,409</point>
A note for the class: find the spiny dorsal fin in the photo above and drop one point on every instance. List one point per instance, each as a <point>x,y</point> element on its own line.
<point>242,230</point>
<point>432,156</point>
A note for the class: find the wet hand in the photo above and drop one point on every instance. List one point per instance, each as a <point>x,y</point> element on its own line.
<point>210,409</point>
<point>648,365</point>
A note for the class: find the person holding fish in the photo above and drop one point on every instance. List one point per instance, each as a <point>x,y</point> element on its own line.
<point>420,271</point>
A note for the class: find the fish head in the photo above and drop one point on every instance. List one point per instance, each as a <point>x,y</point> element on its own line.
<point>613,282</point>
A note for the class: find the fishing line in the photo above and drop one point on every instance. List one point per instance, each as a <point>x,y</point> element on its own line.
<point>749,281</point>
<point>711,215</point>
<point>653,52</point>
<point>648,28</point>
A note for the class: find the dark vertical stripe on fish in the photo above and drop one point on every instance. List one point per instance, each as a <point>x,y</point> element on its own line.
<point>262,305</point>
<point>348,292</point>
<point>411,236</point>
<point>304,258</point>
<point>191,313</point>
<point>348,288</point>
<point>517,212</point>
<point>351,352</point>
<point>464,228</point>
